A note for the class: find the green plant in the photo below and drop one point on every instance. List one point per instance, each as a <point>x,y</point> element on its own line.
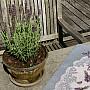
<point>23,36</point>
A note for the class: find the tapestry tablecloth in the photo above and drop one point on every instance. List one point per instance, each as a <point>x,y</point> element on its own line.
<point>77,61</point>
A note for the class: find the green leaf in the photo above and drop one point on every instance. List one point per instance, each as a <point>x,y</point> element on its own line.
<point>31,65</point>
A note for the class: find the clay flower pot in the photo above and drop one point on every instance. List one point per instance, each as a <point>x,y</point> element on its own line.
<point>25,76</point>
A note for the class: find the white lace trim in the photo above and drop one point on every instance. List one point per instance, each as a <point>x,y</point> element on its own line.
<point>74,76</point>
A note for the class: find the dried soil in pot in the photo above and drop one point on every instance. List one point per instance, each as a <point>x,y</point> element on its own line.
<point>22,71</point>
<point>12,62</point>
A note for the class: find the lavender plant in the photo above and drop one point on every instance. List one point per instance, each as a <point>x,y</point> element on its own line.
<point>24,37</point>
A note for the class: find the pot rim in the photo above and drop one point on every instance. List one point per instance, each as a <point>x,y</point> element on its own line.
<point>30,68</point>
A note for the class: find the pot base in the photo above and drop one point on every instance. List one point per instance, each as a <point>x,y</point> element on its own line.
<point>26,83</point>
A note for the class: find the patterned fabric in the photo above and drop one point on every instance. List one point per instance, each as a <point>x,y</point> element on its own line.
<point>76,77</point>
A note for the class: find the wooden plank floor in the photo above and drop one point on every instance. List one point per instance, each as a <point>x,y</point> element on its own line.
<point>77,14</point>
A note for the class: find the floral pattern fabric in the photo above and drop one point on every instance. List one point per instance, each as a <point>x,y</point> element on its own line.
<point>76,77</point>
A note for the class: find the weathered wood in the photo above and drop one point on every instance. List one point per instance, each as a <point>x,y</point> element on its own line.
<point>47,17</point>
<point>83,4</point>
<point>59,9</point>
<point>73,9</point>
<point>83,10</point>
<point>51,10</point>
<point>45,6</point>
<point>23,1</point>
<point>65,39</point>
<point>48,48</point>
<point>71,31</point>
<point>75,19</point>
<point>58,45</point>
<point>52,47</point>
<point>4,10</point>
<point>9,17</point>
<point>1,25</point>
<point>55,46</point>
<point>51,16</point>
<point>71,22</point>
<point>87,2</point>
<point>71,43</point>
<point>1,17</point>
<point>44,16</point>
<point>76,12</point>
<point>42,25</point>
<point>36,6</point>
<point>17,9</point>
<point>49,37</point>
<point>88,38</point>
<point>55,15</point>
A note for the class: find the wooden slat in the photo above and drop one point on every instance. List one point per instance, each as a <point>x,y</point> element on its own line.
<point>55,14</point>
<point>28,5</point>
<point>55,46</point>
<point>75,19</point>
<point>41,16</point>
<point>48,16</point>
<point>41,5</point>
<point>58,45</point>
<point>44,16</point>
<point>8,3</point>
<point>71,31</point>
<point>59,9</point>
<point>1,18</point>
<point>52,47</point>
<point>9,16</point>
<point>77,13</point>
<point>36,7</point>
<point>87,2</point>
<point>70,37</point>
<point>21,15</point>
<point>67,38</point>
<point>1,24</point>
<point>71,22</point>
<point>48,37</point>
<point>17,9</point>
<point>1,52</point>
<point>83,4</point>
<point>71,43</point>
<point>89,33</point>
<point>4,10</point>
<point>5,14</point>
<point>23,6</point>
<point>83,10</point>
<point>48,48</point>
<point>12,2</point>
<point>51,16</point>
<point>88,38</point>
<point>86,34</point>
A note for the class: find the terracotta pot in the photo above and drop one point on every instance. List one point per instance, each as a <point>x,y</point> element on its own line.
<point>27,76</point>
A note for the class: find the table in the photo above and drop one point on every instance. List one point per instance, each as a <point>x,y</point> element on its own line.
<point>77,53</point>
<point>55,58</point>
